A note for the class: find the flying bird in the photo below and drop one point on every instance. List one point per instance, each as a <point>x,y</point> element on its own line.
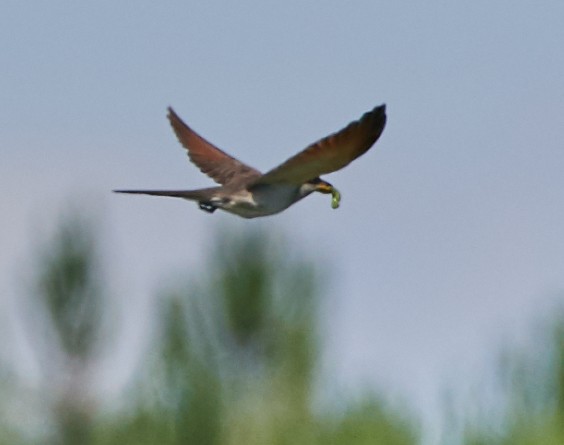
<point>246,192</point>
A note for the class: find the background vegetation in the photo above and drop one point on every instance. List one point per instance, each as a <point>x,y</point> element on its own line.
<point>234,360</point>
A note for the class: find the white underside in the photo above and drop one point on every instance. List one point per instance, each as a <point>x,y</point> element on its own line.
<point>262,202</point>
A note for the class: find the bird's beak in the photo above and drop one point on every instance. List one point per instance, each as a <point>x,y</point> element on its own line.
<point>324,187</point>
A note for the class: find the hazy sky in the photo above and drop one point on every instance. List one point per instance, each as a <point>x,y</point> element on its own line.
<point>449,239</point>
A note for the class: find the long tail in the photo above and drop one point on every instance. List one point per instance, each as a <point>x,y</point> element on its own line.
<point>196,195</point>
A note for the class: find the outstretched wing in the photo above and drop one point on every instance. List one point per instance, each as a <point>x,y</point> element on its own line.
<point>212,161</point>
<point>331,153</point>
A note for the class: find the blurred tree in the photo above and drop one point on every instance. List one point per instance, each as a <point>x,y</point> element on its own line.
<point>238,356</point>
<point>68,285</point>
<point>370,421</point>
<point>534,385</point>
<point>234,360</point>
<point>559,368</point>
<point>65,325</point>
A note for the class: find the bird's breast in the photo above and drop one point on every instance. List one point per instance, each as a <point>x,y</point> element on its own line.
<point>262,200</point>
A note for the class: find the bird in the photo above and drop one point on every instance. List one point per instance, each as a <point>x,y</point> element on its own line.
<point>248,193</point>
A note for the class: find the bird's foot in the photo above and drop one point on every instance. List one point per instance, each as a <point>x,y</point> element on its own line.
<point>207,206</point>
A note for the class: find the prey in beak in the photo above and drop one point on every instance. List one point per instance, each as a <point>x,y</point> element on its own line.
<point>324,187</point>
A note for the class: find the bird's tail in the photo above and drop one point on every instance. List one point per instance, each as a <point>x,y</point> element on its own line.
<point>195,195</point>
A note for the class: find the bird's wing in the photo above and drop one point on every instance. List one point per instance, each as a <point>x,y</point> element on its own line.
<point>212,161</point>
<point>332,152</point>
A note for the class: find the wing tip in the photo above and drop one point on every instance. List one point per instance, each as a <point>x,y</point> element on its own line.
<point>379,110</point>
<point>178,125</point>
<point>171,114</point>
<point>377,116</point>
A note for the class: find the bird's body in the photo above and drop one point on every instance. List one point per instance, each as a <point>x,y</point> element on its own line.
<point>261,201</point>
<point>248,193</point>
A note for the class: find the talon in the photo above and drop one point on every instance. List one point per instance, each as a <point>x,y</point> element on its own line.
<point>207,207</point>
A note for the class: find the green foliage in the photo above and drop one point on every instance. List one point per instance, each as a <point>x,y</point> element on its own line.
<point>535,393</point>
<point>559,368</point>
<point>68,285</point>
<point>234,360</point>
<point>63,319</point>
<point>236,356</point>
<point>370,422</point>
<point>68,291</point>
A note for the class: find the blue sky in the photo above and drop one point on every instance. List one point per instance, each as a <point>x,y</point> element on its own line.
<point>449,239</point>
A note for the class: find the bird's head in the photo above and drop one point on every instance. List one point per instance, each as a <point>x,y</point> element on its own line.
<point>321,186</point>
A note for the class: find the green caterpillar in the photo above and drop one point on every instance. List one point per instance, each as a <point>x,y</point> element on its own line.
<point>336,198</point>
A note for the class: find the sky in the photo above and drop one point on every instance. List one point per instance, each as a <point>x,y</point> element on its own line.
<point>449,240</point>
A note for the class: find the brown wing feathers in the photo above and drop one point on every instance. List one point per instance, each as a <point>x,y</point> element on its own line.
<point>332,152</point>
<point>324,156</point>
<point>212,161</point>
